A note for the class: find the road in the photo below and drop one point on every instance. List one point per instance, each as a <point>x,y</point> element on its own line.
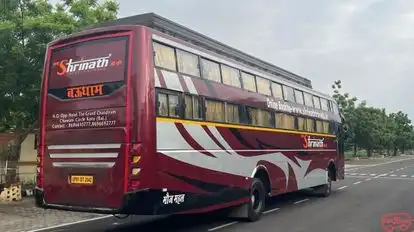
<point>356,204</point>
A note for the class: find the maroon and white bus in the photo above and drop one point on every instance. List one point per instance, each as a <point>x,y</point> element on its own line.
<point>150,118</point>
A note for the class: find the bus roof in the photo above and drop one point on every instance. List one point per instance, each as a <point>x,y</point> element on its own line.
<point>171,28</point>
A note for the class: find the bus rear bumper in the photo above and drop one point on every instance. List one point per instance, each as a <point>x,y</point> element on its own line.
<point>133,203</point>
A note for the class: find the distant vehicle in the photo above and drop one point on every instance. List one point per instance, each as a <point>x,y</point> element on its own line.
<point>154,118</point>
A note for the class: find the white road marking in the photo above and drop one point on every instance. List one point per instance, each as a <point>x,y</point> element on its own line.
<point>271,210</point>
<point>298,202</point>
<point>375,165</point>
<point>403,175</point>
<point>222,226</point>
<point>358,182</point>
<point>368,179</point>
<point>397,178</point>
<point>342,187</point>
<point>393,175</point>
<point>70,223</point>
<point>373,174</point>
<point>412,176</point>
<point>362,174</point>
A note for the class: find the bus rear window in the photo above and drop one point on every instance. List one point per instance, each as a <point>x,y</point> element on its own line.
<point>89,64</point>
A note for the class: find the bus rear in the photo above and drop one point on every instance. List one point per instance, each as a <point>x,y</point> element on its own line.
<point>85,119</point>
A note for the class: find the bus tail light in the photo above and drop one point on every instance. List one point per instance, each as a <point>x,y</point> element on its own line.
<point>135,166</point>
<point>135,171</point>
<point>136,159</point>
<point>39,169</point>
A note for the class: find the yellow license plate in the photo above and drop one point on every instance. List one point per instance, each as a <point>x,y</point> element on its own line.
<point>81,179</point>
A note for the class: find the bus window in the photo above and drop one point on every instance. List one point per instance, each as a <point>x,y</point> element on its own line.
<point>299,97</point>
<point>210,70</point>
<point>288,94</point>
<point>319,126</point>
<point>326,127</point>
<point>173,109</point>
<point>263,86</point>
<point>232,113</point>
<point>264,118</point>
<point>249,82</point>
<point>301,124</point>
<point>197,108</point>
<point>164,56</point>
<point>310,126</point>
<point>188,101</point>
<point>214,111</point>
<point>324,104</point>
<point>188,63</point>
<point>308,99</point>
<point>162,104</point>
<point>231,76</point>
<point>316,102</point>
<point>277,90</point>
<point>252,116</point>
<point>284,121</point>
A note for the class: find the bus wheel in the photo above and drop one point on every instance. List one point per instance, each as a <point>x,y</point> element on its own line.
<point>257,202</point>
<point>252,210</point>
<point>326,189</point>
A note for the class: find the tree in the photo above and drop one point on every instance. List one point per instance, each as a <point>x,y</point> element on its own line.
<point>347,107</point>
<point>26,26</point>
<point>372,128</point>
<point>403,131</point>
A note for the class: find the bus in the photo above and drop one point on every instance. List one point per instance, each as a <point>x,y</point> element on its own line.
<point>143,116</point>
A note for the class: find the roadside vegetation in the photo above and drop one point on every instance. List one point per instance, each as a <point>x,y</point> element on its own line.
<point>373,131</point>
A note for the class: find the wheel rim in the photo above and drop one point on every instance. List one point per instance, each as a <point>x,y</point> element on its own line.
<point>255,200</point>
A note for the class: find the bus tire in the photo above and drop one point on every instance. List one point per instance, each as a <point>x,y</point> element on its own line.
<point>257,201</point>
<point>252,210</point>
<point>326,189</point>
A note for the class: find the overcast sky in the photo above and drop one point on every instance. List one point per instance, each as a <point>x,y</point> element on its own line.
<point>368,44</point>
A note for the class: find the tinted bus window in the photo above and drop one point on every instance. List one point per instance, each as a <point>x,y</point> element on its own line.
<point>249,82</point>
<point>188,63</point>
<point>277,90</point>
<point>214,111</point>
<point>210,70</point>
<point>231,76</point>
<point>263,86</point>
<point>288,94</point>
<point>164,56</point>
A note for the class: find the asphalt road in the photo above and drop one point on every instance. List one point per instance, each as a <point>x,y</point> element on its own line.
<point>356,204</point>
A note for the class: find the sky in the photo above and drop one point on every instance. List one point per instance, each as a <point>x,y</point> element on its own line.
<point>368,44</point>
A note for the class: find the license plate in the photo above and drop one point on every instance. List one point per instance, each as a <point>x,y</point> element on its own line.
<point>81,179</point>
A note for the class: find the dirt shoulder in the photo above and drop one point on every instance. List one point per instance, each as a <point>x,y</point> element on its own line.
<point>25,216</point>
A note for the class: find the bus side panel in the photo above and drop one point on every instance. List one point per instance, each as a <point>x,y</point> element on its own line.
<point>210,165</point>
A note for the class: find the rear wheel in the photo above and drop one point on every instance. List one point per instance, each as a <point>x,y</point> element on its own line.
<point>257,202</point>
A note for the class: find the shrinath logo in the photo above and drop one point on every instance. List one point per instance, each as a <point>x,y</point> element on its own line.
<point>309,142</point>
<point>70,67</point>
